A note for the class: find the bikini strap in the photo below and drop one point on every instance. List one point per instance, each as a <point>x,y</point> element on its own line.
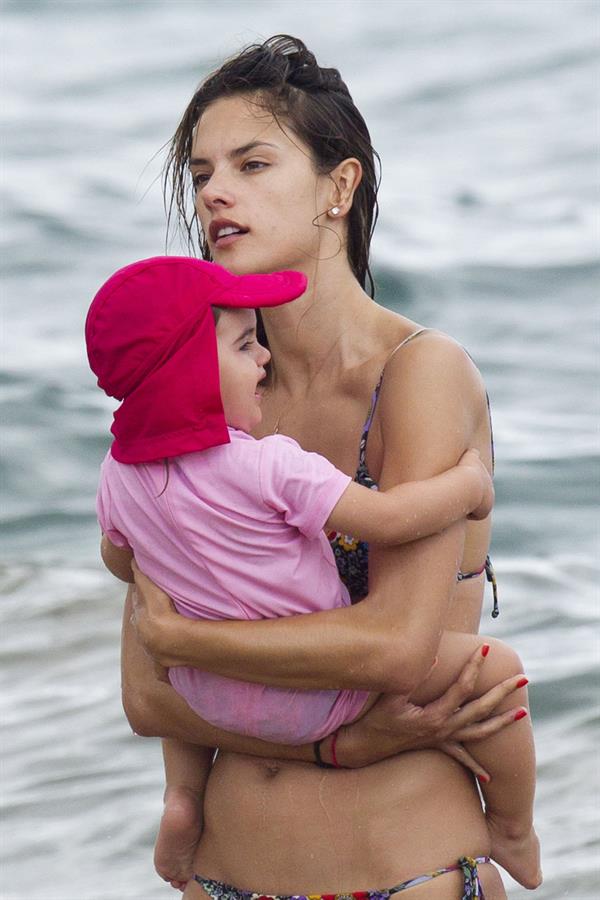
<point>375,394</point>
<point>466,865</point>
<point>487,396</point>
<point>403,343</point>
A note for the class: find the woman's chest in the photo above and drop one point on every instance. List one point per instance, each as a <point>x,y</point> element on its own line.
<point>331,425</point>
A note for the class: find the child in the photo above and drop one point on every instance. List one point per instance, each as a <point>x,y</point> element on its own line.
<point>220,520</point>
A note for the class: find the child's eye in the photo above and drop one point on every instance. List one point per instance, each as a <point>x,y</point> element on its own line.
<point>246,345</point>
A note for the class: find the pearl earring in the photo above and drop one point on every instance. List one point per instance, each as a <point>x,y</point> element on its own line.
<point>335,211</point>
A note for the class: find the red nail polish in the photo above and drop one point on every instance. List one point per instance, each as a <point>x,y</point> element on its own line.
<point>520,715</point>
<point>522,682</point>
<point>483,779</point>
<point>485,649</point>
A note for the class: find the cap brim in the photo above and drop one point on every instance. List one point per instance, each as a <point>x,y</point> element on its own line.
<point>257,291</point>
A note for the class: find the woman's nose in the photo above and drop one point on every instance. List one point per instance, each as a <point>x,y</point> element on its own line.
<point>216,192</point>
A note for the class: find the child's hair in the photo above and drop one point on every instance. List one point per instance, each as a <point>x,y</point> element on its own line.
<point>284,79</point>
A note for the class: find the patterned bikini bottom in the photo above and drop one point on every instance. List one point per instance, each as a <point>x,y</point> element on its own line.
<point>218,890</point>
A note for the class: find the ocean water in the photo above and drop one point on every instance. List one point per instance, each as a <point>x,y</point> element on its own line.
<point>486,116</point>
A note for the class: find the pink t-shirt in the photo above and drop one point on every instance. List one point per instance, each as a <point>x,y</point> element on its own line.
<point>237,534</point>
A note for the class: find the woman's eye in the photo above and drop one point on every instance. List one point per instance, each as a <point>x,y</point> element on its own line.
<point>254,165</point>
<point>200,179</point>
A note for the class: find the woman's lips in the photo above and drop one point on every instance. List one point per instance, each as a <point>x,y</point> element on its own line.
<point>228,239</point>
<point>224,232</point>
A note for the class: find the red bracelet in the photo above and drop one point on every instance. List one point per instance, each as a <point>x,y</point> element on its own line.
<point>333,754</point>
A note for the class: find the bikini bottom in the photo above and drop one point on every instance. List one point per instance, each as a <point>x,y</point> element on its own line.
<point>217,890</point>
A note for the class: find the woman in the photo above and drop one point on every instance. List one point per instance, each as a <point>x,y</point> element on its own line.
<point>283,174</point>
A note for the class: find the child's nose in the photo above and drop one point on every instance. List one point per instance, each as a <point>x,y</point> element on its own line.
<point>264,356</point>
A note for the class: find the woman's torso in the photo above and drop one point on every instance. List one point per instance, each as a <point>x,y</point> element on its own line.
<point>287,828</point>
<point>291,828</point>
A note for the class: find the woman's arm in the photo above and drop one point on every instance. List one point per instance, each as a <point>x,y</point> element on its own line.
<point>386,643</point>
<point>154,709</point>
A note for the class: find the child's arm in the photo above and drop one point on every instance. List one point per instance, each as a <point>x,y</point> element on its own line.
<point>117,559</point>
<point>415,509</point>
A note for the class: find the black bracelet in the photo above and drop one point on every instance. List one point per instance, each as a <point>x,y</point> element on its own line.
<point>318,758</point>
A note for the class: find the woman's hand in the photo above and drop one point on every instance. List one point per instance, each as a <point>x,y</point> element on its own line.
<point>394,724</point>
<point>154,618</point>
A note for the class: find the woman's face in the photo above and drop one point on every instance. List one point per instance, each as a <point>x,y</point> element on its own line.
<point>257,192</point>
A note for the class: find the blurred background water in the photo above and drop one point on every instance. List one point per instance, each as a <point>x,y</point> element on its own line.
<point>486,116</point>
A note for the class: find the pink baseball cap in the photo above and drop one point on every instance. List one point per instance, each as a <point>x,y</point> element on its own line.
<point>151,342</point>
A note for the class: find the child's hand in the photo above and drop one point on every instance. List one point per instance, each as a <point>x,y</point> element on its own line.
<point>472,459</point>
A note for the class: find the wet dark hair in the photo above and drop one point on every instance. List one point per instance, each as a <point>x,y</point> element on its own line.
<point>284,78</point>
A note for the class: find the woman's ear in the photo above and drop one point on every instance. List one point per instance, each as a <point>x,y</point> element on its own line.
<point>345,179</point>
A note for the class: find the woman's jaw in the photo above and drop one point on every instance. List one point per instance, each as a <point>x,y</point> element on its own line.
<point>251,246</point>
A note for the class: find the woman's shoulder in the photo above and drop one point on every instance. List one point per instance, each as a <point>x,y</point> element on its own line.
<point>411,343</point>
<point>430,360</point>
<point>431,404</point>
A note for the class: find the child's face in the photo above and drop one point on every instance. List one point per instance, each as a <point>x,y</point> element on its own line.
<point>241,367</point>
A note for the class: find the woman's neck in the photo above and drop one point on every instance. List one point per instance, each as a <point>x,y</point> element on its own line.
<point>330,327</point>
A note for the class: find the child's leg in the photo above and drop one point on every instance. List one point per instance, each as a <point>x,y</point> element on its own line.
<point>509,756</point>
<point>187,767</point>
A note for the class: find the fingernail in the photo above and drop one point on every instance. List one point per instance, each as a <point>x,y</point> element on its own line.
<point>522,682</point>
<point>485,649</point>
<point>520,715</point>
<point>483,779</point>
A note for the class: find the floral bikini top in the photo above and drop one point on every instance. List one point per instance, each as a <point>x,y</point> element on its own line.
<point>352,555</point>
